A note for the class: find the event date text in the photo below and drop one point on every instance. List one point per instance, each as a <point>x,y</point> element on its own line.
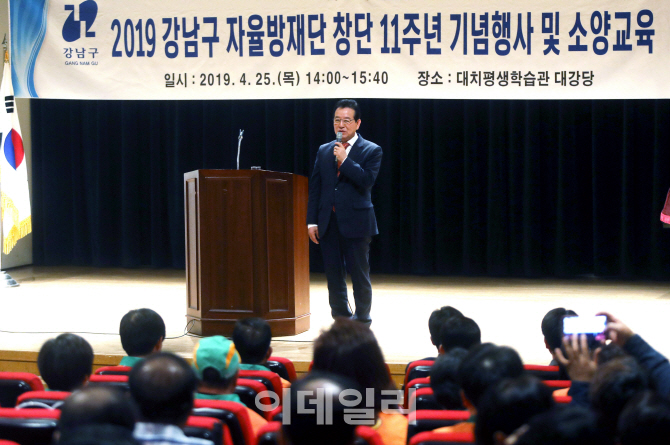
<point>282,78</point>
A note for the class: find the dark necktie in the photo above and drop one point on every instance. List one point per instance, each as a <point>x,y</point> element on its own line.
<point>339,163</point>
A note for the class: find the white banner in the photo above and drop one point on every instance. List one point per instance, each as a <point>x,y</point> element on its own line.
<point>260,49</point>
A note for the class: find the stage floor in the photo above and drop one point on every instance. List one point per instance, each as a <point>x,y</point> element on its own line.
<point>91,302</point>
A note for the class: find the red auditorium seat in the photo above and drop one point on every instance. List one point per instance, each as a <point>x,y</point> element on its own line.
<point>113,370</point>
<point>115,381</point>
<point>417,369</point>
<point>207,428</point>
<point>13,384</point>
<point>430,438</point>
<point>364,435</point>
<point>247,390</point>
<point>428,420</point>
<point>232,414</point>
<point>557,384</point>
<point>543,372</point>
<point>28,426</point>
<point>421,382</point>
<point>283,367</point>
<point>49,398</point>
<point>267,378</point>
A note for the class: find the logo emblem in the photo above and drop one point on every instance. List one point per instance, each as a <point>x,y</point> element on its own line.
<point>88,11</point>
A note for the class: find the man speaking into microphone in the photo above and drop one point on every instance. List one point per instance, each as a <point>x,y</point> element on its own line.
<point>340,215</point>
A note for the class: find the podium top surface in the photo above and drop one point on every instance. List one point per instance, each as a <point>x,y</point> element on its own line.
<point>234,172</point>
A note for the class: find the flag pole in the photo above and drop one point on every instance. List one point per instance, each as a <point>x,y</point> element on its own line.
<point>6,279</point>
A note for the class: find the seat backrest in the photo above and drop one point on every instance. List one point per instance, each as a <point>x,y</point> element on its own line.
<point>421,382</point>
<point>205,428</point>
<point>430,438</point>
<point>113,370</point>
<point>428,420</point>
<point>28,426</point>
<point>268,378</point>
<point>417,369</point>
<point>115,381</point>
<point>287,365</point>
<point>562,399</point>
<point>543,372</point>
<point>247,390</point>
<point>232,414</point>
<point>13,384</point>
<point>49,398</point>
<point>267,434</point>
<point>558,384</point>
<point>367,436</point>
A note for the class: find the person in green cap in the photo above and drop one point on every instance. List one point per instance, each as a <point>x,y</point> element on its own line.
<point>217,365</point>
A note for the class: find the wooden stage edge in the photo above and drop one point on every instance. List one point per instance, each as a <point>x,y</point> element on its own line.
<point>91,301</point>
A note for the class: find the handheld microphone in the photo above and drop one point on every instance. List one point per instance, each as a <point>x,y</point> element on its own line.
<point>338,138</point>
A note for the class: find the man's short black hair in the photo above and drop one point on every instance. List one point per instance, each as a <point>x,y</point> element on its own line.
<point>509,404</point>
<point>444,378</point>
<point>213,378</point>
<point>349,103</point>
<point>645,420</point>
<point>565,425</point>
<point>613,385</point>
<point>437,318</point>
<point>65,362</point>
<point>484,366</point>
<point>252,337</point>
<point>305,426</point>
<point>141,330</point>
<point>552,326</point>
<point>96,405</point>
<point>163,386</point>
<point>459,332</point>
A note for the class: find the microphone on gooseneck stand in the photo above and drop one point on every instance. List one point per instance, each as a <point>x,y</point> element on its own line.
<point>338,138</point>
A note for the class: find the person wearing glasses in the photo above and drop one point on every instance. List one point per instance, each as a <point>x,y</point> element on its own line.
<point>340,214</point>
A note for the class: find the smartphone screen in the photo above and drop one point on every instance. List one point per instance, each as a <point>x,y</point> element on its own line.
<point>584,325</point>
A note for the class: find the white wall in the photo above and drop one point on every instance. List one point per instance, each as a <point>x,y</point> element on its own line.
<point>22,253</point>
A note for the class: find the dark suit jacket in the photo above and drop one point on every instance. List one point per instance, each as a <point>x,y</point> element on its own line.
<point>350,193</point>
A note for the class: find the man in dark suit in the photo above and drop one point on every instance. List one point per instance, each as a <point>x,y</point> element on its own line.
<point>340,215</point>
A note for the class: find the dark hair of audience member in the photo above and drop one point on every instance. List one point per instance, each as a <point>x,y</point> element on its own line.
<point>645,420</point>
<point>99,434</point>
<point>563,425</point>
<point>437,319</point>
<point>350,349</point>
<point>552,326</point>
<point>304,427</point>
<point>65,362</point>
<point>96,405</point>
<point>252,337</point>
<point>163,386</point>
<point>613,385</point>
<point>509,404</point>
<point>484,366</point>
<point>459,332</point>
<point>213,378</point>
<point>610,352</point>
<point>444,378</point>
<point>140,331</point>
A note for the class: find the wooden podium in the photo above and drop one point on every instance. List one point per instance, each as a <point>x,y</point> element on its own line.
<point>247,251</point>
